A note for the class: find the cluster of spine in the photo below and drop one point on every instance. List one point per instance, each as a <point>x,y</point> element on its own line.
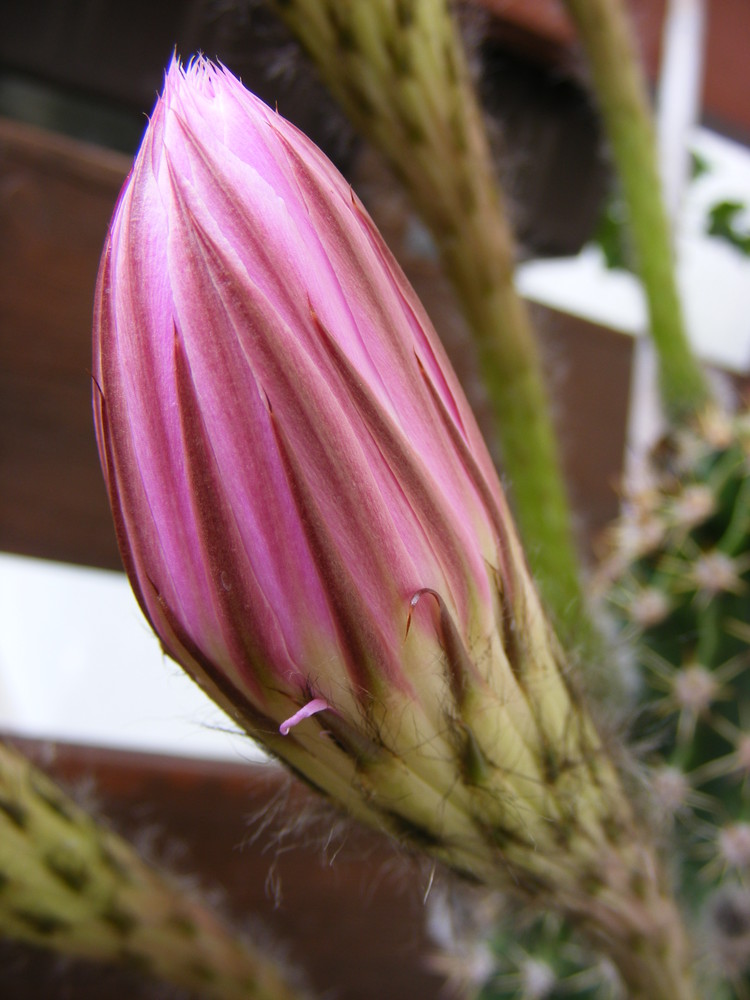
<point>547,960</point>
<point>678,584</point>
<point>71,885</point>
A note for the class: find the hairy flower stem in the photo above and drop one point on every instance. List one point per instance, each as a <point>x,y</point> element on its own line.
<point>513,789</point>
<point>399,71</point>
<point>69,884</point>
<point>625,912</point>
<point>620,89</point>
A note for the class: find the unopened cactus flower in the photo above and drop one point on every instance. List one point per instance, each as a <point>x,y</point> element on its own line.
<point>314,528</point>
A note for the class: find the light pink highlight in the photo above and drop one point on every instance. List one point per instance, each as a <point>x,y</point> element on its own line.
<point>311,708</point>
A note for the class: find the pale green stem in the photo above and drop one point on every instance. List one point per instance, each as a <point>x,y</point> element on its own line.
<point>70,884</point>
<point>399,71</point>
<point>620,88</point>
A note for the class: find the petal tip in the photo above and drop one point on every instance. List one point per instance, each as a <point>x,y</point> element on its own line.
<point>316,705</point>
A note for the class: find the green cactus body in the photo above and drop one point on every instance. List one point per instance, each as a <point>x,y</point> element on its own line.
<point>678,583</point>
<point>679,586</point>
<point>547,962</point>
<point>69,884</point>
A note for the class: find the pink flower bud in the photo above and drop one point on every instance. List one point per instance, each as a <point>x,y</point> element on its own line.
<point>303,501</point>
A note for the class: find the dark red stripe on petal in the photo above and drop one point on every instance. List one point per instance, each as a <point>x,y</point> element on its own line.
<point>118,461</point>
<point>236,601</point>
<point>511,589</point>
<point>369,661</point>
<point>421,490</point>
<point>182,647</point>
<point>492,500</point>
<point>108,464</point>
<point>460,664</point>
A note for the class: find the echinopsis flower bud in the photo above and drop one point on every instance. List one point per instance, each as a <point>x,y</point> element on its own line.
<point>309,517</point>
<point>290,460</point>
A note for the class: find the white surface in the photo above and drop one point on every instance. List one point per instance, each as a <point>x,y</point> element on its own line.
<point>679,96</point>
<point>79,662</point>
<point>714,277</point>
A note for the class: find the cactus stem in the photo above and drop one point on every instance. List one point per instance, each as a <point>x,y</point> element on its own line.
<point>620,88</point>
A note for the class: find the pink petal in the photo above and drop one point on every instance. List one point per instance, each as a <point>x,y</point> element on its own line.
<point>316,705</point>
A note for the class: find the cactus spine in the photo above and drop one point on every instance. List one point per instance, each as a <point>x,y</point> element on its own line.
<point>679,584</point>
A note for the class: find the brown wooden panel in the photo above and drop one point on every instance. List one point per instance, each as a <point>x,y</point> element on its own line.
<point>56,198</point>
<point>52,501</point>
<point>355,924</point>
